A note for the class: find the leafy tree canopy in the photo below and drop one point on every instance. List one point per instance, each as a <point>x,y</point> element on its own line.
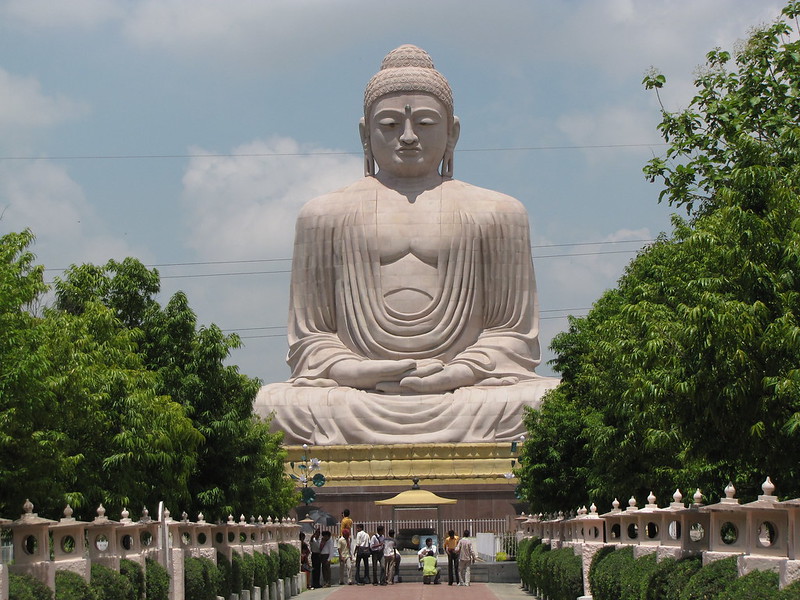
<point>686,375</point>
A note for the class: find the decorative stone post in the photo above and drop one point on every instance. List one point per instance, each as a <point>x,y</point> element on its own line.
<point>613,524</point>
<point>629,524</point>
<point>592,533</point>
<point>694,526</point>
<point>671,528</point>
<point>69,545</point>
<point>767,532</point>
<point>103,540</point>
<point>648,521</point>
<point>727,528</point>
<point>32,546</point>
<point>790,571</point>
<point>148,530</point>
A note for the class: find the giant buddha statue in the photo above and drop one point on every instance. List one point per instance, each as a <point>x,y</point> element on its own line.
<point>413,313</point>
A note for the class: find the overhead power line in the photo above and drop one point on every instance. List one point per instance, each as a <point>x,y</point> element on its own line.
<point>310,153</point>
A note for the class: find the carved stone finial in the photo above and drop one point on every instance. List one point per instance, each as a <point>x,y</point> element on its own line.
<point>201,517</point>
<point>651,499</point>
<point>125,514</point>
<point>730,491</point>
<point>768,487</point>
<point>615,504</point>
<point>68,512</point>
<point>677,496</point>
<point>242,519</point>
<point>166,514</point>
<point>101,511</point>
<point>260,520</point>
<point>698,497</point>
<point>184,517</point>
<point>593,509</point>
<point>632,502</point>
<point>230,519</point>
<point>28,507</point>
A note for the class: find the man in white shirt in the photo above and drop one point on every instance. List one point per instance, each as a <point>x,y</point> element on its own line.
<point>376,548</point>
<point>423,552</point>
<point>361,544</point>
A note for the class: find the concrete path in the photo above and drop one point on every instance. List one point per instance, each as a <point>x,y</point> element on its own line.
<point>419,591</point>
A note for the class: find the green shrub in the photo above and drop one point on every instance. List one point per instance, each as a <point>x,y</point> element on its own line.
<point>156,580</point>
<point>260,570</point>
<point>537,566</point>
<point>524,550</point>
<point>107,584</point>
<point>632,581</point>
<point>224,579</point>
<point>200,579</point>
<point>605,580</point>
<point>236,572</point>
<point>596,559</point>
<point>274,567</point>
<point>289,558</point>
<point>790,592</point>
<point>670,577</point>
<point>71,586</point>
<point>500,556</point>
<point>27,587</point>
<point>710,580</point>
<point>135,574</point>
<point>756,585</point>
<point>563,574</point>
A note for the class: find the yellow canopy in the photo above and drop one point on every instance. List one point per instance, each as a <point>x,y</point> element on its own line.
<point>420,498</point>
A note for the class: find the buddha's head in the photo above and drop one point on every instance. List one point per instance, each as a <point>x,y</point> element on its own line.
<point>408,128</point>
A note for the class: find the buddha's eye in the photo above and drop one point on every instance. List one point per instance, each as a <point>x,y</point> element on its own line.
<point>427,121</point>
<point>389,123</point>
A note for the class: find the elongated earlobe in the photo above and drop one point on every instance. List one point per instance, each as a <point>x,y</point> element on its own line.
<point>449,153</point>
<point>369,161</point>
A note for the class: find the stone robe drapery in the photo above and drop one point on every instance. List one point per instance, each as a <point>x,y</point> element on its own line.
<point>484,314</point>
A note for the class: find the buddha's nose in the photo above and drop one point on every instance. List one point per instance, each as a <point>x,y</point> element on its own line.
<point>408,137</point>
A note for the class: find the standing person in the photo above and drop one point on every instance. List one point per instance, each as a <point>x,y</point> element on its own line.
<point>389,551</point>
<point>361,543</point>
<point>325,555</point>
<point>305,559</point>
<point>316,558</point>
<point>345,549</point>
<point>376,550</point>
<point>450,543</point>
<point>466,557</point>
<point>347,522</point>
<point>430,569</point>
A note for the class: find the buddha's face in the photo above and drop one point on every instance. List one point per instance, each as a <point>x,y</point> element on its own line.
<point>408,134</point>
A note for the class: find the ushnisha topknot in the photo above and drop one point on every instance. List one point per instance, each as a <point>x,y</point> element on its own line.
<point>408,69</point>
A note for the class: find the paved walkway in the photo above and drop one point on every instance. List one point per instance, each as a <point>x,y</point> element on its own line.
<point>419,591</point>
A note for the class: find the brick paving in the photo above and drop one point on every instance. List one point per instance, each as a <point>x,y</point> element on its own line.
<point>419,591</point>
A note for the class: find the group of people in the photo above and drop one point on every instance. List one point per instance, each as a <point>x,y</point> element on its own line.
<point>355,551</point>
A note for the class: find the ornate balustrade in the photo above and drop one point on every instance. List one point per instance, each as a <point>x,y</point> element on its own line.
<point>764,534</point>
<point>43,546</point>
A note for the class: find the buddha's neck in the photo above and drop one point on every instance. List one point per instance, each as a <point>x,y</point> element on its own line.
<point>411,185</point>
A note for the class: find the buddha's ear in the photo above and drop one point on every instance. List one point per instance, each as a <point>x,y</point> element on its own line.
<point>449,153</point>
<point>369,161</point>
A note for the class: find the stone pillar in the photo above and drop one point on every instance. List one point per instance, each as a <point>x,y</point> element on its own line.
<point>3,582</point>
<point>177,586</point>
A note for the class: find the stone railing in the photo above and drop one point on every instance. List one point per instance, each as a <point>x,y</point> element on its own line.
<point>764,534</point>
<point>43,546</point>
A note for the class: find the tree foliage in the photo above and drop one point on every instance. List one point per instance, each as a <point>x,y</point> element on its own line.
<point>107,397</point>
<point>686,375</point>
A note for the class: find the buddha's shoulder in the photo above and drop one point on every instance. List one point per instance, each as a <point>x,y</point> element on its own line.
<point>477,199</point>
<point>339,202</point>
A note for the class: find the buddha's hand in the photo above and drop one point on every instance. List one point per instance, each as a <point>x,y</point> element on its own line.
<point>447,379</point>
<point>367,374</point>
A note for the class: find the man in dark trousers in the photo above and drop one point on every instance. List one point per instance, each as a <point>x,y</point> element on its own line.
<point>376,549</point>
<point>316,557</point>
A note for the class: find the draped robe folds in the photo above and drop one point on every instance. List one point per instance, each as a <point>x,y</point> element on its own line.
<point>483,314</point>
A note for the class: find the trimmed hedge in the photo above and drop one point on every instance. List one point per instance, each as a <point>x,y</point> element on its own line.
<point>790,592</point>
<point>710,580</point>
<point>156,580</point>
<point>135,574</point>
<point>524,550</point>
<point>260,570</point>
<point>563,574</point>
<point>248,571</point>
<point>669,578</point>
<point>633,581</point>
<point>289,560</point>
<point>107,584</point>
<point>236,572</point>
<point>607,571</point>
<point>26,587</point>
<point>71,586</point>
<point>756,585</point>
<point>224,579</point>
<point>200,577</point>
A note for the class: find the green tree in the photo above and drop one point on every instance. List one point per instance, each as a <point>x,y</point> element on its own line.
<point>239,464</point>
<point>686,374</point>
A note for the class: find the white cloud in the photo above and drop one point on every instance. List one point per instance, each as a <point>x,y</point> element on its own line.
<point>41,196</point>
<point>83,14</point>
<point>24,105</point>
<point>245,206</point>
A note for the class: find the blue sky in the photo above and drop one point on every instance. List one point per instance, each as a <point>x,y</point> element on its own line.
<point>183,131</point>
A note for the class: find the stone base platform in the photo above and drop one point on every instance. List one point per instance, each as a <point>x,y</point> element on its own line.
<point>474,474</point>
